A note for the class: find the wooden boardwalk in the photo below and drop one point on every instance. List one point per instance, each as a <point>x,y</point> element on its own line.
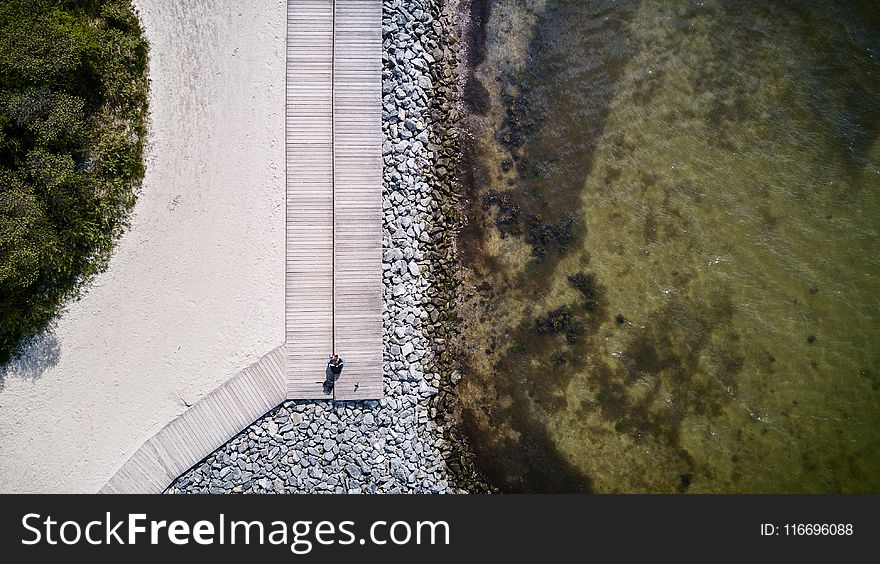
<point>334,196</point>
<point>203,428</point>
<point>333,260</point>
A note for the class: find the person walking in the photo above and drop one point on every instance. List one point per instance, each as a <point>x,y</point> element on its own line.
<point>335,364</point>
<point>334,369</point>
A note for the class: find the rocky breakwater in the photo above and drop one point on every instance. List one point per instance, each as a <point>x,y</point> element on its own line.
<point>421,121</point>
<point>405,442</point>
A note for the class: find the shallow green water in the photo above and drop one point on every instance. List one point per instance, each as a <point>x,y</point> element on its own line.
<point>675,247</point>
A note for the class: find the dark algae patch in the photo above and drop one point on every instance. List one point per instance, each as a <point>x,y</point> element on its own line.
<point>73,95</point>
<point>670,260</point>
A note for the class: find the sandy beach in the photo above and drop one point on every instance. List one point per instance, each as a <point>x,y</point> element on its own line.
<point>194,291</point>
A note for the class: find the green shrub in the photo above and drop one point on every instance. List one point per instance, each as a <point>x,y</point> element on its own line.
<point>73,99</point>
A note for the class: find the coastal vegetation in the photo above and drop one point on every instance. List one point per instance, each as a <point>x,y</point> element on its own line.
<point>73,98</point>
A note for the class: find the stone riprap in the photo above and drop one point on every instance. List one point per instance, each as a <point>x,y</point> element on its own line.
<point>403,443</point>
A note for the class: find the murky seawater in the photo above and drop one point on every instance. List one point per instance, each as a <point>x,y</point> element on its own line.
<point>673,256</point>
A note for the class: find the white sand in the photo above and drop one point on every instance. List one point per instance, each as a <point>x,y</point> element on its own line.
<point>194,291</point>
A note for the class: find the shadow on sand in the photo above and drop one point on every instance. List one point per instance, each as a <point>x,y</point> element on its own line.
<point>39,354</point>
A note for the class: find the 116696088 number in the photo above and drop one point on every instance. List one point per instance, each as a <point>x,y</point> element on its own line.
<point>818,529</point>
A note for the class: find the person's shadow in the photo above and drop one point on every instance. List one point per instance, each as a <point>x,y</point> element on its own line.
<point>330,380</point>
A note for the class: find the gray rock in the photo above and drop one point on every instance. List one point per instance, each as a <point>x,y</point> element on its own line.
<point>369,420</point>
<point>353,470</point>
